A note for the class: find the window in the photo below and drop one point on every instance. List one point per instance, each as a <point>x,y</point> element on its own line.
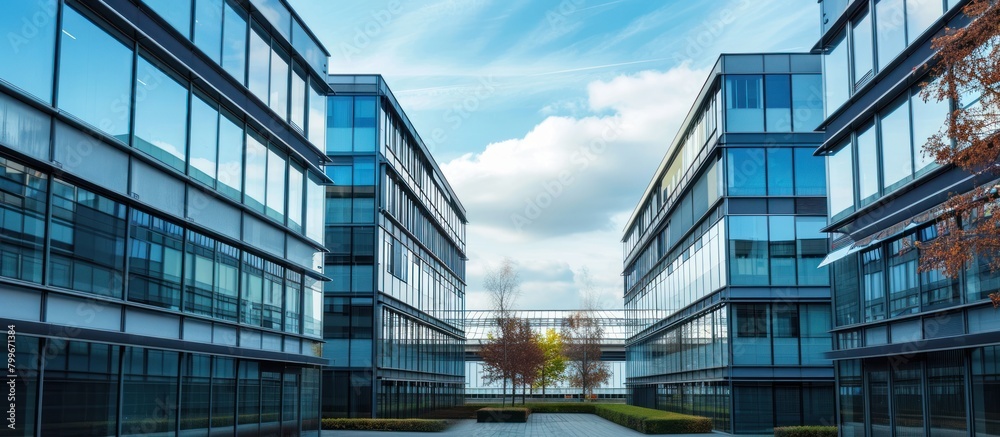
<point>779,172</point>
<point>929,118</point>
<point>204,140</point>
<point>274,294</point>
<point>744,103</point>
<point>223,392</point>
<point>256,172</point>
<point>196,388</point>
<point>746,172</point>
<point>178,14</point>
<point>276,168</point>
<point>80,386</point>
<point>234,42</point>
<point>295,197</point>
<point>258,72</point>
<point>907,397</point>
<point>340,137</point>
<point>160,115</point>
<point>95,75</point>
<point>985,389</point>
<point>946,392</point>
<point>312,307</point>
<point>293,302</point>
<point>155,254</point>
<point>297,113</point>
<point>861,42</point>
<point>920,14</point>
<point>88,241</point>
<point>868,164</point>
<point>807,102</point>
<point>211,277</point>
<point>315,197</point>
<point>778,101</point>
<point>841,181</point>
<point>279,82</point>
<point>23,198</point>
<point>364,124</point>
<point>748,248</point>
<point>782,249</point>
<point>208,28</point>
<point>811,248</point>
<point>149,377</point>
<point>890,30</point>
<point>897,163</point>
<point>836,74</point>
<point>810,173</point>
<point>230,156</point>
<point>874,287</point>
<point>252,290</point>
<point>29,57</point>
<point>317,117</point>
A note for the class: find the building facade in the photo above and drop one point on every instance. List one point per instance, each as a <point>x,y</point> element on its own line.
<point>479,324</point>
<point>396,236</point>
<point>916,353</point>
<point>162,205</point>
<point>728,314</point>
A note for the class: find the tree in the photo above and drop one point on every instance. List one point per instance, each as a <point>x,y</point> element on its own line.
<point>503,284</point>
<point>554,365</point>
<point>513,355</point>
<point>966,66</point>
<point>582,335</point>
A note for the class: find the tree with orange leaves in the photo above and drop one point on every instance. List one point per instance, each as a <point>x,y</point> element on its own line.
<point>967,71</point>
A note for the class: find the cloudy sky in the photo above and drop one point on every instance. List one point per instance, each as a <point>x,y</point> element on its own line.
<point>548,117</point>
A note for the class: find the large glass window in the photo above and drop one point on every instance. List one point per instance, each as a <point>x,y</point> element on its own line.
<point>807,102</point>
<point>810,173</point>
<point>746,172</point>
<point>30,52</point>
<point>256,172</point>
<point>340,137</point>
<point>81,387</point>
<point>946,392</point>
<point>897,162</point>
<point>868,186</point>
<point>890,30</point>
<point>234,42</point>
<point>160,115</point>
<point>208,28</point>
<point>317,117</point>
<point>878,399</point>
<point>778,101</point>
<point>312,307</point>
<point>904,294</point>
<point>296,197</point>
<point>779,172</point>
<point>297,112</point>
<point>252,290</point>
<point>846,300</point>
<point>95,75</point>
<point>752,342</point>
<point>258,73</point>
<point>782,250</point>
<point>315,198</point>
<point>748,250</point>
<point>874,286</point>
<point>150,386</point>
<point>279,82</point>
<point>907,399</point>
<point>204,140</point>
<point>230,156</point>
<point>861,42</point>
<point>929,118</point>
<point>248,410</point>
<point>364,123</point>
<point>88,241</point>
<point>920,14</point>
<point>841,180</point>
<point>293,302</point>
<point>836,74</point>
<point>744,103</point>
<point>196,388</point>
<point>276,168</point>
<point>223,392</point>
<point>211,277</point>
<point>23,198</point>
<point>274,295</point>
<point>986,390</point>
<point>811,249</point>
<point>155,255</point>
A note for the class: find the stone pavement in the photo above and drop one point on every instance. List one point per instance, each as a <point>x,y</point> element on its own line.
<point>538,425</point>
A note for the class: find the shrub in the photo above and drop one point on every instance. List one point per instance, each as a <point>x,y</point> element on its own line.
<point>650,421</point>
<point>412,425</point>
<point>806,431</point>
<point>562,407</point>
<point>504,415</point>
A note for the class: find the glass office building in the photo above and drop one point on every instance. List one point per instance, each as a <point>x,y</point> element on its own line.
<point>479,324</point>
<point>162,205</point>
<point>728,313</point>
<point>916,353</point>
<point>396,235</point>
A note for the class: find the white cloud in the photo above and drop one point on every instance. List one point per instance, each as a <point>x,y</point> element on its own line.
<point>555,200</point>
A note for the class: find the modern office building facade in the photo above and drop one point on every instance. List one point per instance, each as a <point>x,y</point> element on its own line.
<point>728,314</point>
<point>479,324</point>
<point>396,236</point>
<point>162,204</point>
<point>916,353</point>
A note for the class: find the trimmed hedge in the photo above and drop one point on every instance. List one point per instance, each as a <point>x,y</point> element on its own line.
<point>650,421</point>
<point>412,425</point>
<point>502,415</point>
<point>806,431</point>
<point>568,407</point>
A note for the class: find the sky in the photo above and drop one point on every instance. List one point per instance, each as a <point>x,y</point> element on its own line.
<point>549,117</point>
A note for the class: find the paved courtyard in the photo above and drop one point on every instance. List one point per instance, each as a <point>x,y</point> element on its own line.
<point>539,425</point>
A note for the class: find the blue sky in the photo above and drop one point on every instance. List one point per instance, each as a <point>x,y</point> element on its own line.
<point>549,116</point>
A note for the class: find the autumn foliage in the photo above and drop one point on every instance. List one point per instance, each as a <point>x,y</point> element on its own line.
<point>967,68</point>
<point>512,354</point>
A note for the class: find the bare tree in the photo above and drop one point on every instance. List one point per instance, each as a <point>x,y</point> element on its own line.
<point>503,284</point>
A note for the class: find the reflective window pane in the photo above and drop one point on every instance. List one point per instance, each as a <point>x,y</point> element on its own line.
<point>230,156</point>
<point>256,172</point>
<point>811,249</point>
<point>160,115</point>
<point>810,173</point>
<point>744,103</point>
<point>315,198</point>
<point>920,14</point>
<point>258,76</point>
<point>150,381</point>
<point>208,28</point>
<point>748,250</point>
<point>841,180</point>
<point>155,253</point>
<point>295,197</point>
<point>297,113</point>
<point>276,165</point>
<point>782,250</point>
<point>807,102</point>
<point>861,37</point>
<point>868,185</point>
<point>177,13</point>
<point>30,52</point>
<point>279,82</point>
<point>929,119</point>
<point>317,117</point>
<point>23,192</point>
<point>890,27</point>
<point>779,172</point>
<point>364,124</point>
<point>234,42</point>
<point>252,290</point>
<point>778,101</point>
<point>81,387</point>
<point>836,74</point>
<point>204,140</point>
<point>95,75</point>
<point>340,137</point>
<point>88,241</point>
<point>897,164</point>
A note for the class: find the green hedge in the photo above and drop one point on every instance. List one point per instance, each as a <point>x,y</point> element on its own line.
<point>412,425</point>
<point>504,415</point>
<point>650,421</point>
<point>568,407</point>
<point>806,431</point>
